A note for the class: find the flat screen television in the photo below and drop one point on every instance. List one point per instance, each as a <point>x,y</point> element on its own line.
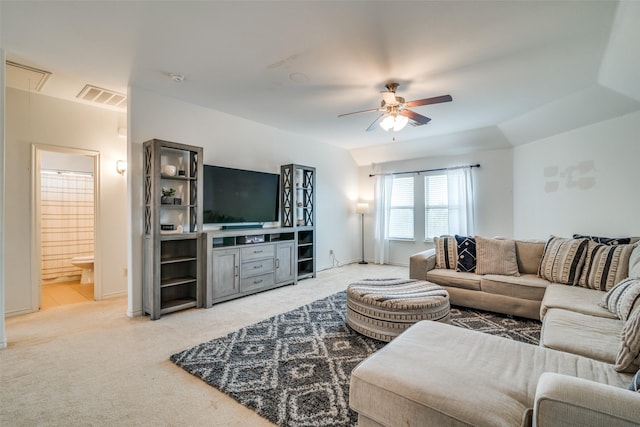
<point>239,197</point>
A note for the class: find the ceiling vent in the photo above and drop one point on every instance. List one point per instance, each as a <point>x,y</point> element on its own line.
<point>102,96</point>
<point>24,77</point>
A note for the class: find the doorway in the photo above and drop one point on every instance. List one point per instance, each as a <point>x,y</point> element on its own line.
<point>64,223</point>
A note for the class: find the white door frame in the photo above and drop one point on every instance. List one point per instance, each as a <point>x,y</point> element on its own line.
<point>36,253</point>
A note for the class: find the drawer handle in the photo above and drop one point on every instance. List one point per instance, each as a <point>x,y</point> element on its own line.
<point>255,282</point>
<point>257,252</point>
<point>257,266</point>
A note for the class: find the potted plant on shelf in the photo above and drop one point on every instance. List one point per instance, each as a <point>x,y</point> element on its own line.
<point>167,196</point>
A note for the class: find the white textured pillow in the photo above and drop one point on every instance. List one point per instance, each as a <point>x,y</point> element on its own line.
<point>629,350</point>
<point>496,256</point>
<point>621,299</point>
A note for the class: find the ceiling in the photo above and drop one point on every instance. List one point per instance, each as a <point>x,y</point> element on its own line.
<point>518,71</point>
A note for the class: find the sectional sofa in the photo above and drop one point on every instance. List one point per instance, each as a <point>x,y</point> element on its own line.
<point>587,295</point>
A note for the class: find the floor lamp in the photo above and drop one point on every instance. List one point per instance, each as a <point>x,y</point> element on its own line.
<point>362,208</point>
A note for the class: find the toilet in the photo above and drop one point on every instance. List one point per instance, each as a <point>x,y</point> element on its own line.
<point>86,264</point>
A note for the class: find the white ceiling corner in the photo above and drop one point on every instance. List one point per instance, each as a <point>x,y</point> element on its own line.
<point>581,108</point>
<point>621,63</point>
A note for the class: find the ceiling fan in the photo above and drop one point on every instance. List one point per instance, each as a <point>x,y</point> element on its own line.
<point>395,111</point>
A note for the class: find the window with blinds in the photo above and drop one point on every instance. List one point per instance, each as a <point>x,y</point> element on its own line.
<point>401,209</point>
<point>436,206</point>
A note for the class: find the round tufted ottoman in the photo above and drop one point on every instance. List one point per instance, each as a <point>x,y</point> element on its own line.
<point>384,308</point>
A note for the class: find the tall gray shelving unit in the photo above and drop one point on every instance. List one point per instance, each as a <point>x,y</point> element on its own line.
<point>297,210</point>
<point>172,249</point>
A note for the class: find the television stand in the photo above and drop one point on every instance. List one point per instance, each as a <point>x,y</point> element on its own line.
<point>241,263</point>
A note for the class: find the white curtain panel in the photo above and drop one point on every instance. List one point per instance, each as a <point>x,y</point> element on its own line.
<point>383,186</point>
<point>461,205</point>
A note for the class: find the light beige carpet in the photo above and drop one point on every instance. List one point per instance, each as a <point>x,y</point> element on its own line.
<point>89,364</point>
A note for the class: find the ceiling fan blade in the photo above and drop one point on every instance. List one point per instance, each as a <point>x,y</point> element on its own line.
<point>373,125</point>
<point>363,111</point>
<point>428,101</point>
<point>389,97</point>
<point>418,118</point>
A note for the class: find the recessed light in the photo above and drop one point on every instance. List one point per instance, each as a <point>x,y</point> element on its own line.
<point>176,77</point>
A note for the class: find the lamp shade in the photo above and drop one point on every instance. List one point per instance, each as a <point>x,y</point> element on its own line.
<point>362,208</point>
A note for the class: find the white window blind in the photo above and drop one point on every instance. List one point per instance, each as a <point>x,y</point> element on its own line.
<point>448,203</point>
<point>401,209</point>
<point>436,204</point>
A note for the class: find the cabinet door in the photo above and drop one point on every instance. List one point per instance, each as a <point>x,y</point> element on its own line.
<point>285,266</point>
<point>225,265</point>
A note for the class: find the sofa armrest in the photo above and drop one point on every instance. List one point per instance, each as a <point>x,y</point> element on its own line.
<point>562,400</point>
<point>420,263</point>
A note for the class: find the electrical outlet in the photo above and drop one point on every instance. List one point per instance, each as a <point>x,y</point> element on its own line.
<point>330,251</point>
<point>125,272</point>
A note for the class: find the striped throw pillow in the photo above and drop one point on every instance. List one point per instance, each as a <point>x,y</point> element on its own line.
<point>562,260</point>
<point>446,252</point>
<point>605,265</point>
<point>634,263</point>
<point>621,299</point>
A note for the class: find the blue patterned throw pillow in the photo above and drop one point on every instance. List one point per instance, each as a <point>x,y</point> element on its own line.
<point>466,254</point>
<point>635,383</point>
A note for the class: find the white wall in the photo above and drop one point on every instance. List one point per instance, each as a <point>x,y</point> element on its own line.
<point>3,337</point>
<point>582,181</point>
<point>36,119</point>
<point>493,194</point>
<point>235,142</point>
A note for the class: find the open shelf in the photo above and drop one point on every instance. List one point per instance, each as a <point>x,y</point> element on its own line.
<point>177,259</point>
<point>178,281</point>
<point>222,241</point>
<point>178,304</point>
<point>172,276</point>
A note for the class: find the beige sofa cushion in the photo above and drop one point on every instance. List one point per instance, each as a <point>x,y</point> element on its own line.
<point>574,298</point>
<point>453,376</point>
<point>454,278</point>
<point>576,333</point>
<point>529,254</point>
<point>605,265</point>
<point>526,286</point>
<point>562,260</point>
<point>496,256</point>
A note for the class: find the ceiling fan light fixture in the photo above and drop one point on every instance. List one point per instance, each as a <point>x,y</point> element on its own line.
<point>394,122</point>
<point>401,122</point>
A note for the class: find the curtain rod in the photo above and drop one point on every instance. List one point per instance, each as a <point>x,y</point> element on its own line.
<point>477,165</point>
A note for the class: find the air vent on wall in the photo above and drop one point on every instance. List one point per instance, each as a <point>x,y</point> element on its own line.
<point>24,77</point>
<point>103,96</point>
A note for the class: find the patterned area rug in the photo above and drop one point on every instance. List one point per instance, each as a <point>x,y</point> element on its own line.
<point>294,368</point>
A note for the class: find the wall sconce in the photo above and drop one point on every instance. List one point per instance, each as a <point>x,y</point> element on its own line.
<point>121,167</point>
